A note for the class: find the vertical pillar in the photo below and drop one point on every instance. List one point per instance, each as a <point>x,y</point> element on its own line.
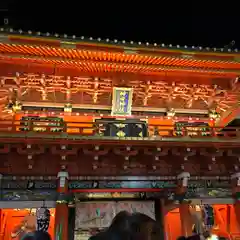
<point>184,210</point>
<point>197,219</point>
<point>61,214</point>
<point>159,216</point>
<point>71,222</point>
<point>236,197</point>
<point>1,217</point>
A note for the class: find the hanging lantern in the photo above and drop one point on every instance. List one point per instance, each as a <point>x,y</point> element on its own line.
<point>43,219</point>
<point>208,216</point>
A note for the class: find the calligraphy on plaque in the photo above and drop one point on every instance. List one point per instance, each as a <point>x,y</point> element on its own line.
<point>122,101</point>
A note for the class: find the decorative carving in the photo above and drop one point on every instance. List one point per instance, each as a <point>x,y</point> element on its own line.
<point>88,90</point>
<point>30,150</point>
<point>63,150</point>
<point>108,159</point>
<point>211,152</point>
<point>125,151</point>
<point>96,151</point>
<point>5,148</point>
<point>233,152</point>
<point>159,152</point>
<point>187,152</point>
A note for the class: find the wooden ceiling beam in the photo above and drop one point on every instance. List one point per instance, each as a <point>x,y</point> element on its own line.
<point>115,66</point>
<point>10,68</point>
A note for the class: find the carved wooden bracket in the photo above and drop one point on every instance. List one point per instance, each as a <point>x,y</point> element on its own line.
<point>30,150</point>
<point>188,152</point>
<point>97,151</point>
<point>233,153</point>
<point>157,153</point>
<point>5,148</point>
<point>215,153</point>
<point>64,151</point>
<point>125,151</point>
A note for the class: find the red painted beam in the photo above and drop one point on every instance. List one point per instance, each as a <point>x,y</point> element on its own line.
<point>225,120</point>
<point>35,41</point>
<point>165,142</point>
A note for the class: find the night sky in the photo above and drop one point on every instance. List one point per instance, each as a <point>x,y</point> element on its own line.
<point>193,24</point>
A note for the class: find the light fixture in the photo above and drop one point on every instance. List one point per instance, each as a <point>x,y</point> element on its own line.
<point>213,114</point>
<point>171,113</point>
<point>17,106</point>
<point>68,108</point>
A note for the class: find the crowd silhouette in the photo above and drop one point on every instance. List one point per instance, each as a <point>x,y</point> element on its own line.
<point>125,226</point>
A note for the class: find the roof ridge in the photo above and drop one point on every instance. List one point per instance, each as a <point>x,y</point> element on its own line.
<point>124,44</point>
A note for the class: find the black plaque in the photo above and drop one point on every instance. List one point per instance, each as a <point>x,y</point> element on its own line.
<point>29,184</point>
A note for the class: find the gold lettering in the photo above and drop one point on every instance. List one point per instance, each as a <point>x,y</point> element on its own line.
<point>122,101</point>
<point>123,93</point>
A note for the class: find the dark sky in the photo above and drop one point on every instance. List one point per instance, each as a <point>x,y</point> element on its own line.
<point>192,24</point>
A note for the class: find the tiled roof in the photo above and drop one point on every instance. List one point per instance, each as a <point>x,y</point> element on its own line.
<point>105,56</point>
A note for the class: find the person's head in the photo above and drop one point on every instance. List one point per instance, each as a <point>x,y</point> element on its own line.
<point>40,235</point>
<point>28,236</point>
<point>145,228</point>
<point>120,222</point>
<point>182,238</point>
<point>126,226</point>
<point>37,235</point>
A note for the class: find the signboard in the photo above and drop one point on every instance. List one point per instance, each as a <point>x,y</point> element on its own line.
<point>28,184</point>
<point>28,190</point>
<point>191,128</point>
<point>121,184</point>
<point>36,190</point>
<point>122,195</point>
<point>209,189</point>
<point>27,195</point>
<point>196,189</point>
<point>208,184</point>
<point>122,101</point>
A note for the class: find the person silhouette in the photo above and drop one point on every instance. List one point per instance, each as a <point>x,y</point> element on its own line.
<point>130,226</point>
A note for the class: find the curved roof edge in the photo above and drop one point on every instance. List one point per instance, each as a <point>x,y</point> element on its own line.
<point>116,44</point>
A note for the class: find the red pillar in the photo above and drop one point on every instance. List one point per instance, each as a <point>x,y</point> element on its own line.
<point>1,216</point>
<point>61,214</point>
<point>236,197</point>
<point>184,210</point>
<point>1,224</point>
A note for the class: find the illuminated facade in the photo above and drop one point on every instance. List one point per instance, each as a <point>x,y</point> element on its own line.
<point>90,120</point>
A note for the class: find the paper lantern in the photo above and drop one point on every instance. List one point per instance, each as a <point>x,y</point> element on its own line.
<point>43,219</point>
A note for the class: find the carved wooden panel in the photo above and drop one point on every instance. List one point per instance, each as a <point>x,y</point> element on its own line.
<point>116,160</point>
<point>98,90</point>
<point>101,214</point>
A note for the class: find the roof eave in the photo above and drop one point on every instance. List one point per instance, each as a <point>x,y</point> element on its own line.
<point>16,36</point>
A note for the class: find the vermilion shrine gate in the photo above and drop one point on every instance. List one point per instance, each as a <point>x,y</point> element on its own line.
<point>93,119</point>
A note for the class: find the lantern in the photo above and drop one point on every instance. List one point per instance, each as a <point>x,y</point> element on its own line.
<point>208,215</point>
<point>43,219</point>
